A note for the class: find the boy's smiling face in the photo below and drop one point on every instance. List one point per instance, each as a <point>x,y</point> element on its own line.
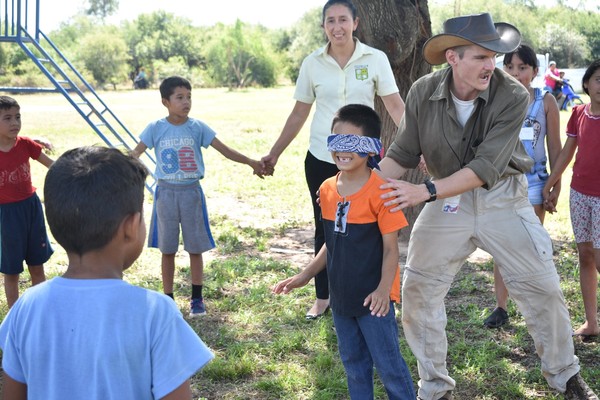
<point>348,161</point>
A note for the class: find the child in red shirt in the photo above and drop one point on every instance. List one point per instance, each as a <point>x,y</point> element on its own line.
<point>23,234</point>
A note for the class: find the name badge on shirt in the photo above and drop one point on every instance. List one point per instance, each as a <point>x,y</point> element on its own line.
<point>451,204</point>
<point>526,133</point>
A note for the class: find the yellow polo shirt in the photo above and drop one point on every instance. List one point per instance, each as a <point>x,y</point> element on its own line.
<point>368,73</point>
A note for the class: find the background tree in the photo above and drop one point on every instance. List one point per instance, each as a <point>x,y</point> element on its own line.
<point>102,8</point>
<point>399,28</point>
<point>307,36</point>
<point>68,37</point>
<point>161,36</point>
<point>240,56</point>
<point>565,45</point>
<point>164,43</point>
<point>105,57</point>
<point>578,26</point>
<point>588,25</point>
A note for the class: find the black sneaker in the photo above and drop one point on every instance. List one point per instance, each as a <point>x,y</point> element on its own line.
<point>577,389</point>
<point>497,318</point>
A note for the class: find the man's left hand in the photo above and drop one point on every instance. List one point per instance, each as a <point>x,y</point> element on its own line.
<point>403,194</point>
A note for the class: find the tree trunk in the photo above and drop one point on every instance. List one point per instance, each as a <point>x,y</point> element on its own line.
<point>399,28</point>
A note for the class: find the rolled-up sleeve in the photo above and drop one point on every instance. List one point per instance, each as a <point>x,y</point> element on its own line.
<point>489,143</point>
<point>406,147</point>
<point>500,144</point>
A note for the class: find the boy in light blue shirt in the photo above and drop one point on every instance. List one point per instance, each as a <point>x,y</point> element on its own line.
<point>88,334</point>
<point>179,201</point>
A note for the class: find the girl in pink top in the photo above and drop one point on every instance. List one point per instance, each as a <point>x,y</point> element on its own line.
<point>583,135</point>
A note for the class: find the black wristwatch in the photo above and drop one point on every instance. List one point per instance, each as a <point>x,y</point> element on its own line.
<point>432,191</point>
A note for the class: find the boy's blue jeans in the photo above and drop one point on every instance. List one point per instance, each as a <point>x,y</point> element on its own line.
<point>366,341</point>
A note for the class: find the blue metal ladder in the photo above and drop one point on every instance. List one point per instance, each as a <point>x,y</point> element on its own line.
<point>65,79</point>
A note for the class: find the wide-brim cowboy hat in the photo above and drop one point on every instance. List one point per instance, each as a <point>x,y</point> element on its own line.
<point>476,29</point>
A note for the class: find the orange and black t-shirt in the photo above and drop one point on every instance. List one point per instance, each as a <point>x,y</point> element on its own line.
<point>354,226</point>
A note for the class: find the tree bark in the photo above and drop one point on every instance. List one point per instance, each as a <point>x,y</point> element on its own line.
<point>399,28</point>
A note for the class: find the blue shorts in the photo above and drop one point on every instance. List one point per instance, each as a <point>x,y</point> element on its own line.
<point>175,206</point>
<point>535,186</point>
<point>23,235</point>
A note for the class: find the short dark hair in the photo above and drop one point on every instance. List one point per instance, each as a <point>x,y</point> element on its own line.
<point>361,116</point>
<point>346,3</point>
<point>6,103</point>
<point>168,85</point>
<point>88,192</point>
<point>588,74</point>
<point>460,50</point>
<point>526,54</point>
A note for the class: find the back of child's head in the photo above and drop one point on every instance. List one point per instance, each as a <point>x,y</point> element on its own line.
<point>6,103</point>
<point>588,74</point>
<point>361,116</point>
<point>168,85</point>
<point>526,54</point>
<point>88,192</point>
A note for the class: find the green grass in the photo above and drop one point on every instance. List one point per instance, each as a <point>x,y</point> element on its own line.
<point>264,348</point>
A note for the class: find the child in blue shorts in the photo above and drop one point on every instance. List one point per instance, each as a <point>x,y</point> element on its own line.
<point>179,201</point>
<point>22,226</point>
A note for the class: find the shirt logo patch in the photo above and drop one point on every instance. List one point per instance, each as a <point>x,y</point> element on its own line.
<point>361,72</point>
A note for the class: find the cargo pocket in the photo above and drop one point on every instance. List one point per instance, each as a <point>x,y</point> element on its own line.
<point>538,235</point>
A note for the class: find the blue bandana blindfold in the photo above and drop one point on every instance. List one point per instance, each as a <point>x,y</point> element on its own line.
<point>361,145</point>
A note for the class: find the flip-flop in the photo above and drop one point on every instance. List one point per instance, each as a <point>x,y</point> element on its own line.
<point>312,317</point>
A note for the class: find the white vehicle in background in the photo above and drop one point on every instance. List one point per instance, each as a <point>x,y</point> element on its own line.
<point>538,81</point>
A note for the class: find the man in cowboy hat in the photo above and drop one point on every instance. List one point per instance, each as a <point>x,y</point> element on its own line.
<point>465,120</point>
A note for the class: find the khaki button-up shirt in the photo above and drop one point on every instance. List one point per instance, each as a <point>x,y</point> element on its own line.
<point>489,142</point>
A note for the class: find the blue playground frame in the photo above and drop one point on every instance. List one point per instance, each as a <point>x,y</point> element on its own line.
<point>20,24</point>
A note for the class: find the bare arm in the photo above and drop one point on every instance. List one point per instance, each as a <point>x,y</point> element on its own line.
<point>183,392</point>
<point>236,156</point>
<point>554,77</point>
<point>553,142</point>
<point>139,149</point>
<point>315,266</point>
<point>13,390</point>
<point>391,169</point>
<point>379,300</point>
<point>292,126</point>
<point>45,160</point>
<point>562,161</point>
<point>395,106</point>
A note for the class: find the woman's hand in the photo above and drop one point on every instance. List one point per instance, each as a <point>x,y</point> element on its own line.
<point>268,163</point>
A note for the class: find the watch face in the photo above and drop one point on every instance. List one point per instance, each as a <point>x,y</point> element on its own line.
<point>430,187</point>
